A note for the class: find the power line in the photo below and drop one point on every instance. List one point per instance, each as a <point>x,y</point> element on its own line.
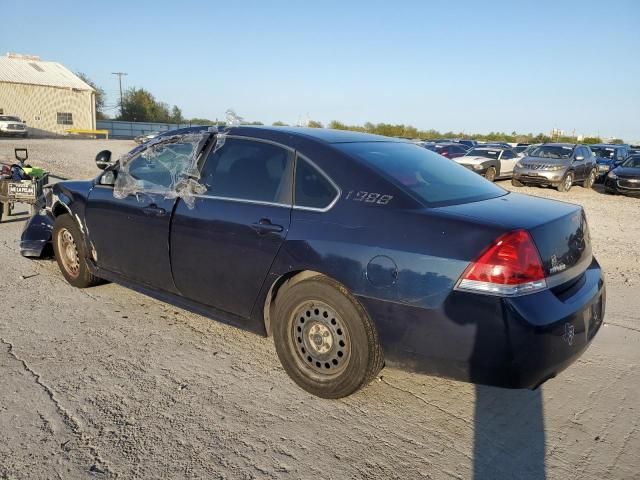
<point>120,75</point>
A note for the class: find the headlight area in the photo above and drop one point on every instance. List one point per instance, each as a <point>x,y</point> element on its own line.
<point>612,175</point>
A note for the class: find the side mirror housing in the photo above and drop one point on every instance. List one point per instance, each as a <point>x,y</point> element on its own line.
<point>103,159</point>
<point>579,158</point>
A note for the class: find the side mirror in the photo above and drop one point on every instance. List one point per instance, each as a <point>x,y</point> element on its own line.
<point>103,159</point>
<point>21,154</point>
<point>579,158</point>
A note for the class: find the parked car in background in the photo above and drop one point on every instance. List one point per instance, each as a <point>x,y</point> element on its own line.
<point>608,157</point>
<point>495,145</point>
<point>560,165</point>
<point>634,150</point>
<point>344,248</point>
<point>624,178</point>
<point>448,150</point>
<point>145,137</point>
<point>13,126</point>
<point>468,143</point>
<point>492,163</point>
<point>521,147</point>
<point>528,149</point>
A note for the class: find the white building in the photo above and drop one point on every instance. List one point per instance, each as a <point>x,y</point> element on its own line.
<point>49,97</point>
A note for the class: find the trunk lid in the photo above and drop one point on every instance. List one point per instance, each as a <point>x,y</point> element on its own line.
<point>559,230</point>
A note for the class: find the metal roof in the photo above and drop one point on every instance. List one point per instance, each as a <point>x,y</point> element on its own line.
<point>33,71</point>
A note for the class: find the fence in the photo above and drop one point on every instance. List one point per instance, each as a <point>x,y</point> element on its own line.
<point>118,129</point>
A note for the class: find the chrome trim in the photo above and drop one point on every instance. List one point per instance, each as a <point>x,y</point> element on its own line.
<point>254,139</point>
<point>488,288</point>
<point>242,200</point>
<point>329,179</point>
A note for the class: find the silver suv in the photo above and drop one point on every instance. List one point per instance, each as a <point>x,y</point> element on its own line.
<point>560,165</point>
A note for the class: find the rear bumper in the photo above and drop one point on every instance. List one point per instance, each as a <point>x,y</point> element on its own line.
<point>506,342</point>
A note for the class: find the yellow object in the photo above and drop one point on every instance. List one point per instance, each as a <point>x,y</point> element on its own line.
<point>81,131</point>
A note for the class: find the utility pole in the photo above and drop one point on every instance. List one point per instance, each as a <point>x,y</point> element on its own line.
<point>120,75</point>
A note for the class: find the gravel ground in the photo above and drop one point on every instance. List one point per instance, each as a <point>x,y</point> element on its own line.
<point>68,158</point>
<point>108,383</point>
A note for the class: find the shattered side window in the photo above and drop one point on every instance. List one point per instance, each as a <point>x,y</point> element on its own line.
<point>167,167</point>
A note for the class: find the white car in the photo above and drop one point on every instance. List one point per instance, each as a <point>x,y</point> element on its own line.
<point>491,162</point>
<point>145,137</point>
<point>10,125</point>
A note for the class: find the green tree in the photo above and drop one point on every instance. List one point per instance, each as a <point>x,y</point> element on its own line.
<point>280,124</point>
<point>616,141</point>
<point>100,95</point>
<point>176,115</point>
<point>139,105</point>
<point>314,124</point>
<point>591,140</point>
<point>201,121</point>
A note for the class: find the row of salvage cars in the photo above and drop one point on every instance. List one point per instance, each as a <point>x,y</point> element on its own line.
<point>353,251</point>
<point>559,165</point>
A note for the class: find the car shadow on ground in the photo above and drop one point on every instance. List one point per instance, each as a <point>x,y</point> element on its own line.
<point>509,436</point>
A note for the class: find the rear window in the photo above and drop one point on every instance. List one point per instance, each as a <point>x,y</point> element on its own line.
<point>432,179</point>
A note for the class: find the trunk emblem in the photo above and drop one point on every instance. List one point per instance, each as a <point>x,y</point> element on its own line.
<point>569,334</point>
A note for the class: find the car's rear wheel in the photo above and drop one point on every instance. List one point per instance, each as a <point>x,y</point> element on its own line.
<point>566,183</point>
<point>516,183</point>
<point>324,338</point>
<point>490,174</point>
<point>591,179</point>
<point>69,250</point>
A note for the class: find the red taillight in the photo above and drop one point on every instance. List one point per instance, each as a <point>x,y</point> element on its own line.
<point>510,266</point>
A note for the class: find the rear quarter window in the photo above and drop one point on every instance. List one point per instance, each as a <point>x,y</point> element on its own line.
<point>430,178</point>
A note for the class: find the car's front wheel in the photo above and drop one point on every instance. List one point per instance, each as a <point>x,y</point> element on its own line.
<point>68,246</point>
<point>566,183</point>
<point>491,174</point>
<point>324,338</point>
<point>516,183</point>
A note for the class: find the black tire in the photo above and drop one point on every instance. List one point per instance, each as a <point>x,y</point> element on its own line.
<point>69,250</point>
<point>566,183</point>
<point>516,183</point>
<point>490,174</point>
<point>591,179</point>
<point>324,338</point>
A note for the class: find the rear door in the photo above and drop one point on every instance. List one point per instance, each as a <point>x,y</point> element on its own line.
<point>223,248</point>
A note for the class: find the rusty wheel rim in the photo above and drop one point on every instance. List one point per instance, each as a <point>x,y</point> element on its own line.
<point>68,252</point>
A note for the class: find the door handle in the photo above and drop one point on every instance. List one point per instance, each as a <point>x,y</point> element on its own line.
<point>154,211</point>
<point>265,226</point>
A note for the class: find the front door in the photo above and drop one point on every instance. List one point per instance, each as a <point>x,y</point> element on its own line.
<point>508,161</point>
<point>128,223</point>
<point>222,250</point>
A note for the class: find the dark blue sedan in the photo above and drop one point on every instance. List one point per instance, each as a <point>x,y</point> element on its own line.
<point>352,250</point>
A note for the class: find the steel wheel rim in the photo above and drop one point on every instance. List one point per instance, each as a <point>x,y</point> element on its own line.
<point>491,174</point>
<point>320,339</point>
<point>568,182</point>
<point>592,178</point>
<point>68,251</point>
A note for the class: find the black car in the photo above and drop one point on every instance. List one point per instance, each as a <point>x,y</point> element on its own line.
<point>352,250</point>
<point>624,179</point>
<point>448,150</point>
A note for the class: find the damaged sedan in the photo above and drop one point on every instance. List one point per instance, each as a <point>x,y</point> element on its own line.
<point>352,250</point>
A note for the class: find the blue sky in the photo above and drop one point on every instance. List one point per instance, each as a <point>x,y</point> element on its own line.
<point>462,66</point>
